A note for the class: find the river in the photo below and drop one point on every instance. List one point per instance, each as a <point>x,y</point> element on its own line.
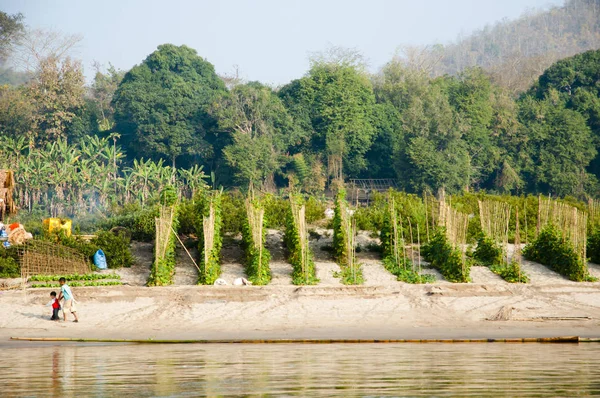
<point>344,370</point>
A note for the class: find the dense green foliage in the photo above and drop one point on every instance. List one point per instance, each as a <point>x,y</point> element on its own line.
<point>163,269</point>
<point>161,105</point>
<point>340,252</point>
<point>593,245</point>
<point>394,260</point>
<point>448,260</point>
<point>552,250</point>
<point>256,255</point>
<point>303,273</point>
<point>9,263</point>
<point>511,273</point>
<point>73,277</point>
<point>487,252</point>
<point>210,261</point>
<point>115,246</point>
<point>77,284</point>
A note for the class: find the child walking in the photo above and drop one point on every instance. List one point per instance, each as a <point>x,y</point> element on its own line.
<point>69,304</point>
<point>55,306</point>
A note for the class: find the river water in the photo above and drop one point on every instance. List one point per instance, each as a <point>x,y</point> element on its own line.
<point>344,370</point>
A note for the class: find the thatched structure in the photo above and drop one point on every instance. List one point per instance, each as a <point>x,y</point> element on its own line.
<point>7,186</point>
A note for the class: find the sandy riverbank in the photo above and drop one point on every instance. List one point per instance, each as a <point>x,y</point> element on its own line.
<point>435,311</point>
<point>382,308</point>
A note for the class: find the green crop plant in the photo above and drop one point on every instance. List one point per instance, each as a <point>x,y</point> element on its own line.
<point>296,240</point>
<point>211,239</point>
<point>344,242</point>
<point>553,250</point>
<point>256,255</point>
<point>163,267</point>
<point>78,284</point>
<point>73,277</point>
<point>393,247</point>
<point>511,272</point>
<point>339,228</point>
<point>487,253</point>
<point>9,263</point>
<point>447,259</point>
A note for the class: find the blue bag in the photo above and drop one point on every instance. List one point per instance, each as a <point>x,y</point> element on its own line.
<point>100,259</point>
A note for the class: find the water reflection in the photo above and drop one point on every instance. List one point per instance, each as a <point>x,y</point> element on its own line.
<point>300,370</point>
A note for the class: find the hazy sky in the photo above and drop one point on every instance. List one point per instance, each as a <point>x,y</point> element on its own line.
<point>270,40</point>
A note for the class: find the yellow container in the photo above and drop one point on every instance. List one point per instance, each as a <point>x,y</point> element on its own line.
<point>53,225</point>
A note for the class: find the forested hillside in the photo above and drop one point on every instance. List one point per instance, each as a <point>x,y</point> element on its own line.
<point>516,52</point>
<point>173,118</point>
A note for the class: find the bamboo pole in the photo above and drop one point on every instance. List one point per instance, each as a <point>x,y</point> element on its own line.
<point>560,339</point>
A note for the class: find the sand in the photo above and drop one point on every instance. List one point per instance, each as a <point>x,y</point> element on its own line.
<point>382,308</point>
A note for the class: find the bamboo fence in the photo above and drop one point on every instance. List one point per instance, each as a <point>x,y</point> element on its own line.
<point>49,258</point>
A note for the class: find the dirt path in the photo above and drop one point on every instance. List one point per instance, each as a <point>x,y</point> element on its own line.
<point>186,272</point>
<point>138,273</point>
<point>484,275</point>
<point>231,265</point>
<point>281,270</point>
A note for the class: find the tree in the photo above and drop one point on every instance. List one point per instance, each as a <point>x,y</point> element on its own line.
<point>560,145</point>
<point>102,91</point>
<point>261,129</point>
<point>334,105</point>
<point>428,152</point>
<point>472,96</point>
<point>161,106</point>
<point>16,112</point>
<point>11,30</point>
<point>56,93</point>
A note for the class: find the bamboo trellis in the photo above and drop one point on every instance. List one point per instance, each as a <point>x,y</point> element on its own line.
<point>164,229</point>
<point>495,217</point>
<point>208,229</point>
<point>256,217</point>
<point>299,215</point>
<point>455,222</point>
<point>571,221</point>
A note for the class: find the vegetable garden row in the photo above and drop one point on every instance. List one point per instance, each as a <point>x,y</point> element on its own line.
<point>449,233</point>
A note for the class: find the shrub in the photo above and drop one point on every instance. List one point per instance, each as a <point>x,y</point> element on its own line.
<point>233,212</point>
<point>391,242</point>
<point>276,209</point>
<point>189,218</point>
<point>593,245</point>
<point>256,255</point>
<point>555,252</point>
<point>487,253</point>
<point>304,272</point>
<point>9,263</point>
<point>140,222</point>
<point>315,210</point>
<point>163,267</point>
<point>210,261</point>
<point>404,271</point>
<point>510,272</point>
<point>343,242</point>
<point>116,248</point>
<point>339,229</point>
<point>441,255</point>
